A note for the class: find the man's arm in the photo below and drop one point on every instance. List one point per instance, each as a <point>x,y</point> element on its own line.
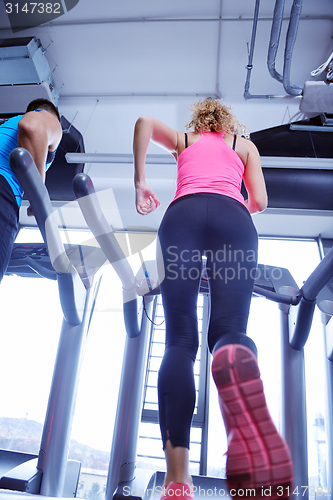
<point>39,132</point>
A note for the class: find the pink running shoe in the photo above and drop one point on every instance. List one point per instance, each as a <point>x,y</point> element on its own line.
<point>258,457</point>
<point>177,491</point>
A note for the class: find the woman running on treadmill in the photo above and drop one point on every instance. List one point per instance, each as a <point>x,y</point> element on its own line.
<point>208,216</point>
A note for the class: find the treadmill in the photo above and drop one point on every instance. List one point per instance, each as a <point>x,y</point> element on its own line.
<point>297,308</point>
<point>77,271</point>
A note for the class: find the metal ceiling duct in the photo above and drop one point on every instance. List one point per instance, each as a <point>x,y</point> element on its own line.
<point>296,9</point>
<point>291,89</point>
<point>290,42</point>
<point>275,40</point>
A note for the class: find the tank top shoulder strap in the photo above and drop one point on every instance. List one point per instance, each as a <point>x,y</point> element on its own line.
<point>186,143</point>
<point>234,143</point>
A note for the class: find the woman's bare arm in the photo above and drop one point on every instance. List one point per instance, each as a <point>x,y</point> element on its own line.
<point>254,181</point>
<point>149,129</point>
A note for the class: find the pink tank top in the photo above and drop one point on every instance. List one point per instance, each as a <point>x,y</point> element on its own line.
<point>210,166</point>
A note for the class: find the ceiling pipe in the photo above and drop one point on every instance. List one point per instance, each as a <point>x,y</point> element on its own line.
<point>249,67</point>
<point>290,42</point>
<point>195,95</point>
<point>275,39</point>
<point>217,79</point>
<point>145,20</point>
<point>274,44</point>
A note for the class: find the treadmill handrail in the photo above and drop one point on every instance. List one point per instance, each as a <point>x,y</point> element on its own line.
<point>71,289</point>
<point>319,277</point>
<point>87,198</point>
<point>306,298</point>
<point>29,178</point>
<point>42,271</point>
<point>88,201</point>
<point>317,280</point>
<point>277,297</point>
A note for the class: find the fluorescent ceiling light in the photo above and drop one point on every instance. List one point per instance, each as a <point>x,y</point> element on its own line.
<point>116,158</point>
<point>266,161</point>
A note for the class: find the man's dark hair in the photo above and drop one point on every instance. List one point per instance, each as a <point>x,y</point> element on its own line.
<point>43,104</point>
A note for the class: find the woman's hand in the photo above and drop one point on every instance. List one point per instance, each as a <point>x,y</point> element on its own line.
<point>145,199</point>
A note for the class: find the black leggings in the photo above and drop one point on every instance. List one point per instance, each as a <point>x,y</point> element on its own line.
<point>222,229</point>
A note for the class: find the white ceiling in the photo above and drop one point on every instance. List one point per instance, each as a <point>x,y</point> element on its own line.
<point>115,60</point>
<point>109,47</point>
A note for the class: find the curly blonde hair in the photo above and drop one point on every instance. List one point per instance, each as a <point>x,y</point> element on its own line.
<point>212,116</point>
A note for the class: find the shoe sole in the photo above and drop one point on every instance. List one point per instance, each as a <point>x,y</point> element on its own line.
<point>180,491</point>
<point>258,457</point>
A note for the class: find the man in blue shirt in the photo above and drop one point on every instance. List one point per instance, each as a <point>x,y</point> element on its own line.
<point>39,131</point>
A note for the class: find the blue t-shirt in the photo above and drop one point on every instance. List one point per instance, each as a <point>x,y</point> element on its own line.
<point>8,142</point>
